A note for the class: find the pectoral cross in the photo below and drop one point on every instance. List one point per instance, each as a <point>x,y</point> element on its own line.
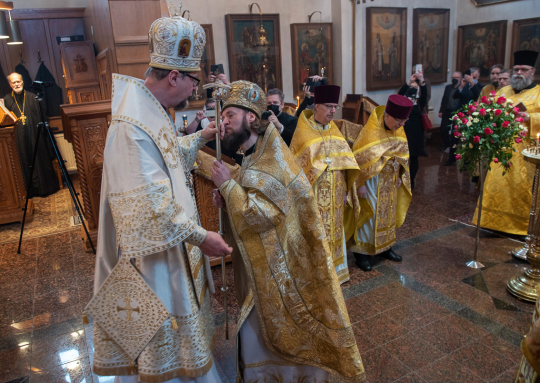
<point>128,309</point>
<point>23,119</point>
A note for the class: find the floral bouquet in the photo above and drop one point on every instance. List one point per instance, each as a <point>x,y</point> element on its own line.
<point>486,131</point>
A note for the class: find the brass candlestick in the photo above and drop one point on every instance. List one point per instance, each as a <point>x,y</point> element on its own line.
<point>524,286</point>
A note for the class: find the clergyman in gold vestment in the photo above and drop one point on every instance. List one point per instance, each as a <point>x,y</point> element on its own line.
<point>507,199</point>
<point>384,186</point>
<point>293,324</point>
<point>329,164</point>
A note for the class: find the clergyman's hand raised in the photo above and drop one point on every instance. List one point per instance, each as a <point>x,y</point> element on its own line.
<point>210,131</point>
<point>214,246</point>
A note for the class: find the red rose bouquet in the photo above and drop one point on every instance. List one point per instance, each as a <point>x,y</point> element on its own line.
<point>486,131</point>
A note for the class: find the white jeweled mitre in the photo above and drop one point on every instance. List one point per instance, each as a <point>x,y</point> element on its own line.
<point>176,43</point>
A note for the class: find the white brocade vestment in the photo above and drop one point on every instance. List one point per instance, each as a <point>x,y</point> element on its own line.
<point>148,214</point>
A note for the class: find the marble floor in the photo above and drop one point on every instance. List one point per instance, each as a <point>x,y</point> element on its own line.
<point>428,319</point>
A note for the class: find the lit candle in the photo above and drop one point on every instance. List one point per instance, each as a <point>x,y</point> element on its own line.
<point>184,117</point>
<point>297,102</point>
<point>537,142</point>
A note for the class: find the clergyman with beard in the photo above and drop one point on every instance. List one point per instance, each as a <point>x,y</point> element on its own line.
<point>293,321</point>
<point>26,107</point>
<point>507,199</point>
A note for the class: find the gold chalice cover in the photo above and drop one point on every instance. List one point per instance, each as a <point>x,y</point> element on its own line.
<point>127,309</point>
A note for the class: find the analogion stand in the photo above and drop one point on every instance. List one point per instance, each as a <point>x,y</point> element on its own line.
<point>524,286</point>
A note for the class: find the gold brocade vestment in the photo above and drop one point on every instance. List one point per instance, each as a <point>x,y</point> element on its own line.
<point>382,156</point>
<point>329,164</point>
<point>507,199</point>
<point>289,276</point>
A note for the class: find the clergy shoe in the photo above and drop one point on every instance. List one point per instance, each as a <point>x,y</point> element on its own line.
<point>362,261</point>
<point>449,162</point>
<point>391,256</point>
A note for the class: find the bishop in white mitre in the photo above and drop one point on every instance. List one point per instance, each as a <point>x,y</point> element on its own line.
<point>151,309</point>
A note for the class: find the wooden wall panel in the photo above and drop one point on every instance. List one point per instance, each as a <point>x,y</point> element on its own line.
<point>134,70</point>
<point>33,34</point>
<point>132,54</point>
<point>133,18</point>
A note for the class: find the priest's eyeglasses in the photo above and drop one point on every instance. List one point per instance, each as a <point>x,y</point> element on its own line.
<point>522,69</point>
<point>330,107</point>
<point>196,81</point>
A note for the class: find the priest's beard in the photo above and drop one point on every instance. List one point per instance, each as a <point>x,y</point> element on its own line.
<point>495,84</point>
<point>181,106</point>
<point>234,140</point>
<point>520,82</point>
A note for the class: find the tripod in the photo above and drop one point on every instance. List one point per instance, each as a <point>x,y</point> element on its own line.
<point>44,125</point>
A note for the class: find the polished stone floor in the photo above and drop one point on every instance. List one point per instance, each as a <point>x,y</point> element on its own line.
<point>428,319</point>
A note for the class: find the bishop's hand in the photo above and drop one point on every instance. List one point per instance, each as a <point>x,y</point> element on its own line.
<point>210,131</point>
<point>214,246</point>
<point>220,173</point>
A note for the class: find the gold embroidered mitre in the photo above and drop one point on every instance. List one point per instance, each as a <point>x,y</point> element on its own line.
<point>246,95</point>
<point>176,43</point>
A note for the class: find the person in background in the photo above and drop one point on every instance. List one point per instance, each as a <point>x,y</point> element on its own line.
<point>428,84</point>
<point>469,88</point>
<point>284,122</point>
<point>309,100</point>
<point>384,187</point>
<point>26,108</point>
<point>201,121</point>
<point>504,78</point>
<point>494,78</point>
<point>468,91</point>
<point>416,91</point>
<point>448,106</point>
<point>508,194</point>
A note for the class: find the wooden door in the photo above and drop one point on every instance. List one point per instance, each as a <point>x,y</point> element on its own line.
<point>62,27</point>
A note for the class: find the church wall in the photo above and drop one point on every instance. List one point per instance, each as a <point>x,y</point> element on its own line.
<point>467,13</point>
<point>213,12</point>
<point>381,96</point>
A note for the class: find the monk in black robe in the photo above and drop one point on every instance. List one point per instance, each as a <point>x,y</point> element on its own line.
<point>25,106</point>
